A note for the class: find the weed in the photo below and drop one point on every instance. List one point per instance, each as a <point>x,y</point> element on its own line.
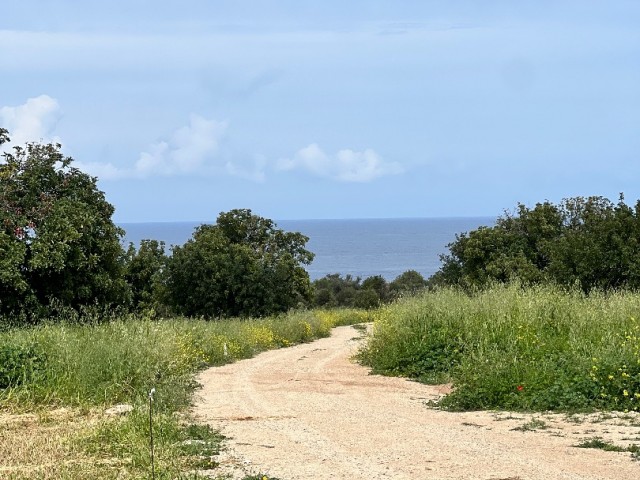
<point>511,348</point>
<point>574,418</point>
<point>532,425</point>
<point>90,367</point>
<point>501,418</point>
<point>471,424</point>
<point>597,442</point>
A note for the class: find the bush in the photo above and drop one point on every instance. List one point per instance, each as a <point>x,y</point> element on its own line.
<point>145,271</point>
<point>407,283</point>
<point>241,266</point>
<point>589,242</point>
<point>18,364</point>
<point>336,291</point>
<point>512,348</point>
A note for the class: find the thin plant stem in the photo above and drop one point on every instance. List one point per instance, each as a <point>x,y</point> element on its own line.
<point>153,470</point>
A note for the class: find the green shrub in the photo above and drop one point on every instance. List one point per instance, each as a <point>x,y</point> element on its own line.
<point>18,364</point>
<point>507,347</point>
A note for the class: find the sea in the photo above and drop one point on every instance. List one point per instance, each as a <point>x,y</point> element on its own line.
<point>358,247</point>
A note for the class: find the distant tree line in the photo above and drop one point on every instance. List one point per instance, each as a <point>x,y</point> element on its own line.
<point>61,256</point>
<point>337,291</point>
<point>589,243</point>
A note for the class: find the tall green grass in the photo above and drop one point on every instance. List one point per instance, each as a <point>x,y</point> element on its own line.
<point>512,348</point>
<point>121,360</point>
<point>94,366</point>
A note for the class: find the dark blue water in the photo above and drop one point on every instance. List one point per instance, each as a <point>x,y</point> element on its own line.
<point>361,248</point>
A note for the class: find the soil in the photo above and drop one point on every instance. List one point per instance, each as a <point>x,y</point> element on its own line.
<point>311,412</point>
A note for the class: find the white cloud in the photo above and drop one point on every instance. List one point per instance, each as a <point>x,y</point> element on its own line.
<point>33,121</point>
<point>347,165</point>
<point>186,151</point>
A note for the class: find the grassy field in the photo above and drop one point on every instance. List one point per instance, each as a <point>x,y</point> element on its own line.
<point>512,348</point>
<point>56,380</point>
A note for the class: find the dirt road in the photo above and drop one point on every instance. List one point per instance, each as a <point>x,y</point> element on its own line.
<point>309,412</point>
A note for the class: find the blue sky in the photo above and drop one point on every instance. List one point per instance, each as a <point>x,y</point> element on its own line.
<point>329,109</point>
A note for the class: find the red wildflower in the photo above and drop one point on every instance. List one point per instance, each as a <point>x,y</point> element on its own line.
<point>520,388</point>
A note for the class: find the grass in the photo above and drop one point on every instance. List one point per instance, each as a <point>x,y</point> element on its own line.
<point>87,368</point>
<point>598,443</point>
<point>532,425</point>
<point>511,348</point>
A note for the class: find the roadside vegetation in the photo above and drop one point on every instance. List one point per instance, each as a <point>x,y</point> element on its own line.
<point>85,368</point>
<point>539,312</point>
<point>589,243</point>
<point>508,347</point>
<point>334,290</point>
<point>61,257</point>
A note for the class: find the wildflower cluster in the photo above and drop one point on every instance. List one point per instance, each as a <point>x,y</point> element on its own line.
<point>619,384</point>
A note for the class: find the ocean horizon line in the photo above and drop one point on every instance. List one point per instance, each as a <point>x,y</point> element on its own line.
<point>361,247</point>
<point>451,217</point>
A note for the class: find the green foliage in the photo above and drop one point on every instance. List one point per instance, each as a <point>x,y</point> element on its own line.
<point>379,285</point>
<point>336,291</point>
<point>589,242</point>
<point>366,298</point>
<point>119,361</point>
<point>58,245</point>
<point>511,348</point>
<point>407,283</point>
<point>178,447</point>
<point>19,363</point>
<point>241,266</point>
<point>598,443</point>
<point>333,290</point>
<point>145,270</point>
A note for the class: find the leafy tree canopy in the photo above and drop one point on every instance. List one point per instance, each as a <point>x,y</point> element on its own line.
<point>144,272</point>
<point>409,282</point>
<point>590,242</point>
<point>334,290</point>
<point>58,244</point>
<point>241,266</point>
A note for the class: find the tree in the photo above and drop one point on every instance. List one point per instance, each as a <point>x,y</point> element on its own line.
<point>58,244</point>
<point>241,266</point>
<point>334,291</point>
<point>379,285</point>
<point>145,270</point>
<point>407,283</point>
<point>589,242</point>
<point>366,298</point>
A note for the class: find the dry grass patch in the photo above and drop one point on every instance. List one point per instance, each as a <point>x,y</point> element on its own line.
<point>42,446</point>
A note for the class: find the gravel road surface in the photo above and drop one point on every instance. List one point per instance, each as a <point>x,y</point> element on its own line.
<point>311,412</point>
